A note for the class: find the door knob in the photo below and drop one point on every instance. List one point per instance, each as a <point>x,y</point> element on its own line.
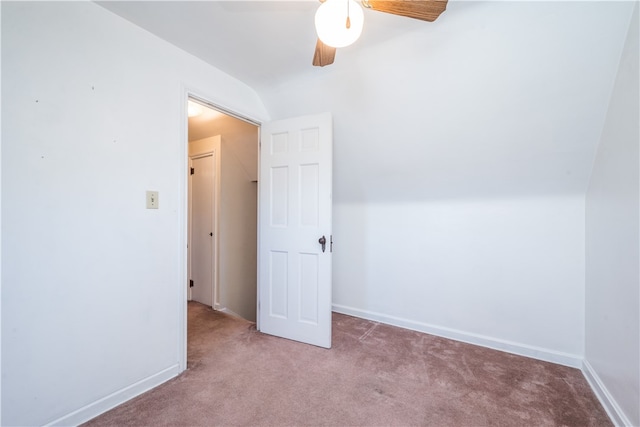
<point>323,242</point>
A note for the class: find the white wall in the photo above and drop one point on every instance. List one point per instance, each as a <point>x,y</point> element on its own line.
<point>238,233</point>
<point>92,281</point>
<point>612,247</point>
<point>462,151</point>
<point>507,273</point>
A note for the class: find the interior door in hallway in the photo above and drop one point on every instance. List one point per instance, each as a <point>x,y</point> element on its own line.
<point>295,229</point>
<point>201,252</point>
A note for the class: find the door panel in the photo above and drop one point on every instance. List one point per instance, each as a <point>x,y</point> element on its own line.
<point>202,222</point>
<point>295,211</point>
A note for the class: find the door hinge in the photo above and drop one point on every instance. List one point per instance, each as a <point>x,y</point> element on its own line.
<point>331,243</point>
<point>191,283</point>
<point>193,171</point>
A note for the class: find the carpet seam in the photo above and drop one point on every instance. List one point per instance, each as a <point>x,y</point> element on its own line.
<point>368,332</point>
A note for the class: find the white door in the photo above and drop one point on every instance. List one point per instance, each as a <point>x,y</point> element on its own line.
<point>295,214</point>
<point>202,226</point>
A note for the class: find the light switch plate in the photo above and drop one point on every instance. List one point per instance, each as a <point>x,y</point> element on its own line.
<point>152,200</point>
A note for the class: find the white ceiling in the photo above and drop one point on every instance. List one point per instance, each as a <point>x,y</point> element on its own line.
<point>262,43</point>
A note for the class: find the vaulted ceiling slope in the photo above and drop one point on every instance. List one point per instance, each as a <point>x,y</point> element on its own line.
<point>494,99</point>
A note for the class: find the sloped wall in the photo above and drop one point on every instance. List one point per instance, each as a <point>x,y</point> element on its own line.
<point>94,114</point>
<point>612,355</point>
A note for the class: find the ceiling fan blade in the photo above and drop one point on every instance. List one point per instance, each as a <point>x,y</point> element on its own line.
<point>426,10</point>
<point>324,55</point>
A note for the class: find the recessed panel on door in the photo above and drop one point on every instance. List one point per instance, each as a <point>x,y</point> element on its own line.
<point>308,288</point>
<point>279,203</point>
<point>279,143</point>
<point>308,195</point>
<point>309,139</point>
<point>279,284</point>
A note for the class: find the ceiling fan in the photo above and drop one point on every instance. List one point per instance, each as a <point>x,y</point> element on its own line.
<point>343,18</point>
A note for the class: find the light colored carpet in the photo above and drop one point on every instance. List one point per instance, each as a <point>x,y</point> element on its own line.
<point>375,375</point>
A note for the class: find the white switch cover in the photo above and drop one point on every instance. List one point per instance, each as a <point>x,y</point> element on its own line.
<point>152,200</point>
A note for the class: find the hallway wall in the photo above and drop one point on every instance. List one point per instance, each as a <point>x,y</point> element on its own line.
<point>238,235</point>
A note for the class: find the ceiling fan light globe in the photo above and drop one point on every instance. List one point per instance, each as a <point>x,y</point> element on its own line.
<point>331,19</point>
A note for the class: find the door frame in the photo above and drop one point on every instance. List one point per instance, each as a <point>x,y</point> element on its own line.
<point>183,283</point>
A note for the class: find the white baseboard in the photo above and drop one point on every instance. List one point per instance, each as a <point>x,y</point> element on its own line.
<point>547,355</point>
<point>608,402</point>
<point>101,406</point>
<point>229,312</point>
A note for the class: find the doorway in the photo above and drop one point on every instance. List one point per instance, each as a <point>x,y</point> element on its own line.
<point>222,219</point>
<point>304,146</point>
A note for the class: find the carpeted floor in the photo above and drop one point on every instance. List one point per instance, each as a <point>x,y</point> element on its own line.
<point>375,375</point>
